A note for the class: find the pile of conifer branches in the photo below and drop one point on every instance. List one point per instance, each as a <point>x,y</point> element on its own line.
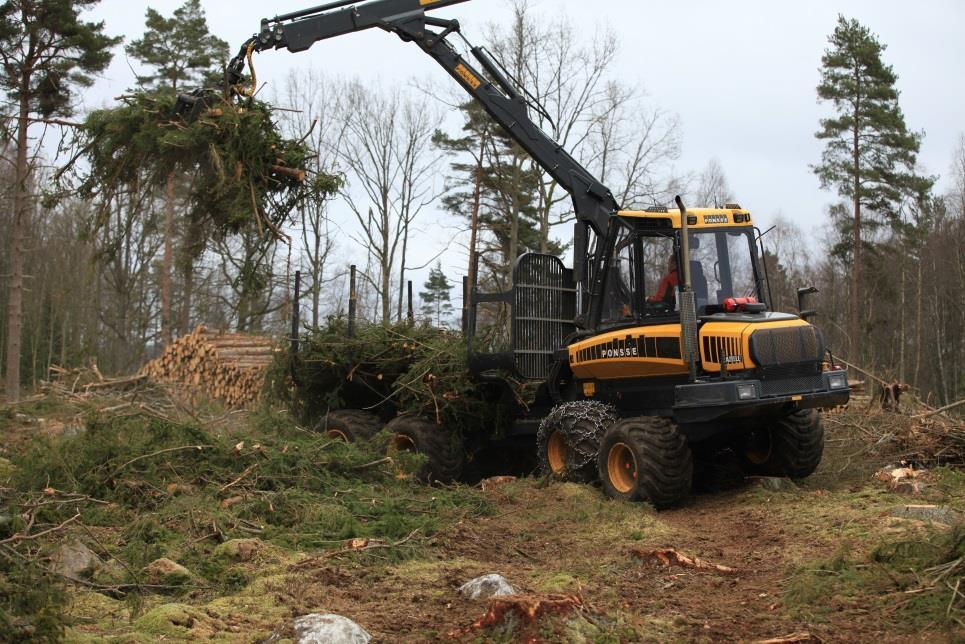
<point>394,369</point>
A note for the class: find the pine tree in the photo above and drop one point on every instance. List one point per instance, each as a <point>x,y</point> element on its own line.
<point>435,298</point>
<point>508,186</point>
<point>178,52</point>
<point>869,154</point>
<point>46,51</point>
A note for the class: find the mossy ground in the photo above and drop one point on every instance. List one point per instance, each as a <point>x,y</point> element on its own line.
<point>825,557</point>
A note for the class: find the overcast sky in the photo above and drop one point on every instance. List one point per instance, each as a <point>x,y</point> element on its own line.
<point>741,75</point>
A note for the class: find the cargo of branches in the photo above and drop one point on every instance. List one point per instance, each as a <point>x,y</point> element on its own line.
<point>657,343</point>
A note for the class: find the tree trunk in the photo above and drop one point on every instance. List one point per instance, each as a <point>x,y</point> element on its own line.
<point>854,328</point>
<point>474,223</point>
<point>167,266</point>
<point>405,251</point>
<point>919,349</point>
<point>21,200</point>
<point>902,331</point>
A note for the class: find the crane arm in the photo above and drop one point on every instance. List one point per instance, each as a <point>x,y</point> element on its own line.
<point>593,202</point>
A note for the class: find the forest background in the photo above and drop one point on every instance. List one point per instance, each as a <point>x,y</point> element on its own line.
<point>410,151</point>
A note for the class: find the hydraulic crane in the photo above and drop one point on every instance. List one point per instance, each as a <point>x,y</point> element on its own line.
<point>506,103</point>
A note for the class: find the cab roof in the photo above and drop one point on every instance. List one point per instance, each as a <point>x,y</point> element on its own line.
<point>698,217</point>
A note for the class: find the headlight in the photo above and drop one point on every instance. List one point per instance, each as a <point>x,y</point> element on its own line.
<point>746,392</point>
<point>838,381</point>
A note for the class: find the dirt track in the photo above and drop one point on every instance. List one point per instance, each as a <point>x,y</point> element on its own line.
<point>567,538</point>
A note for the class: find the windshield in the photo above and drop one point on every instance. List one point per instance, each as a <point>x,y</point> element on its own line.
<point>722,266</point>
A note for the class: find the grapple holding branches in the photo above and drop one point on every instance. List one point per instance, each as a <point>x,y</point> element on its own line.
<point>240,169</point>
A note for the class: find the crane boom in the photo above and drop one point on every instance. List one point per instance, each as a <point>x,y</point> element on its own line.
<point>593,202</point>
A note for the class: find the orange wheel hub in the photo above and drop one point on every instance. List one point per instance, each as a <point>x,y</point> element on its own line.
<point>622,468</point>
<point>556,453</point>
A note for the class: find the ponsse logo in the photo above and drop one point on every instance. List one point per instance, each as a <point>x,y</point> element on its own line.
<point>622,352</point>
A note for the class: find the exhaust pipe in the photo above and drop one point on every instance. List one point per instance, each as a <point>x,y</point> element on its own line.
<point>688,303</point>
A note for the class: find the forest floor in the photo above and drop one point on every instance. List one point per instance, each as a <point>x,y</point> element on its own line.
<point>271,523</point>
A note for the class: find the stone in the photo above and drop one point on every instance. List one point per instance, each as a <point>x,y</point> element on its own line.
<point>933,513</point>
<point>74,559</point>
<point>165,572</point>
<point>329,629</point>
<point>487,587</point>
<point>776,484</point>
<point>239,549</point>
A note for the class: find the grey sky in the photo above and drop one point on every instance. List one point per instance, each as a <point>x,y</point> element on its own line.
<point>741,75</point>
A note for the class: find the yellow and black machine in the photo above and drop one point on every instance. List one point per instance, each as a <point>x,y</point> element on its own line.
<point>658,339</point>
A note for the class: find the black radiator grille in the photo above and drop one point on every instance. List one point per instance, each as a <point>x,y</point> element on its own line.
<point>771,347</point>
<point>788,386</point>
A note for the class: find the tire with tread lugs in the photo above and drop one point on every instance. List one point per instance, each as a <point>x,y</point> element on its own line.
<point>350,425</point>
<point>792,447</point>
<point>646,459</point>
<point>569,438</point>
<point>442,449</point>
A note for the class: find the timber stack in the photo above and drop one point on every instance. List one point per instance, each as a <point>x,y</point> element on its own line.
<point>227,366</point>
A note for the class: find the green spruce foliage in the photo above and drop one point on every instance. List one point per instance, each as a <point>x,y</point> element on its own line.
<point>391,370</point>
<point>436,304</point>
<point>233,154</point>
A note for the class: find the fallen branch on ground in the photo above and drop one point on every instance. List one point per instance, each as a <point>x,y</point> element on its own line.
<point>670,557</point>
<point>17,538</point>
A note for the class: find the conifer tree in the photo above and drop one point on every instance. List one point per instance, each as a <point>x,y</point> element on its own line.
<point>508,191</point>
<point>869,155</point>
<point>179,52</point>
<point>46,51</point>
<point>436,304</point>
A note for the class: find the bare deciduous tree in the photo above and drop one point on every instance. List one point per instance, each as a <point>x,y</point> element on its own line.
<point>390,161</point>
<point>320,120</point>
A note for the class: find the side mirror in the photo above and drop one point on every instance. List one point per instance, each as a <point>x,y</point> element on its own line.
<point>802,294</point>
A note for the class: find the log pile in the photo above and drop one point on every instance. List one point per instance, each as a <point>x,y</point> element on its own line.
<point>227,366</point>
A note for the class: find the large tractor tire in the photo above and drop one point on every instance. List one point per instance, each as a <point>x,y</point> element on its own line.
<point>792,447</point>
<point>442,449</point>
<point>646,459</point>
<point>349,425</point>
<point>569,438</point>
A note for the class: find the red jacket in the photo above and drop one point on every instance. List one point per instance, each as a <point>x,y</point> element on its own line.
<point>666,291</point>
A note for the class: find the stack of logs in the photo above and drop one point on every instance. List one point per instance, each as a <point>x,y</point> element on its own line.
<point>228,366</point>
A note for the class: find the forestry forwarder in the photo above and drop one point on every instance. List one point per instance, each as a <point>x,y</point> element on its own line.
<point>629,383</point>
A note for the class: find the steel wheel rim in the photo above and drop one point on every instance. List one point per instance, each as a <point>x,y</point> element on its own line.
<point>556,452</point>
<point>622,468</point>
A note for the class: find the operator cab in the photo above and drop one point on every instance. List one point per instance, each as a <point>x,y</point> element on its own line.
<point>645,272</point>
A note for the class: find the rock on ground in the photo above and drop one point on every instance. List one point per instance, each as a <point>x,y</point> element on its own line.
<point>329,629</point>
<point>487,586</point>
<point>933,513</point>
<point>239,549</point>
<point>776,484</point>
<point>74,559</point>
<point>168,573</point>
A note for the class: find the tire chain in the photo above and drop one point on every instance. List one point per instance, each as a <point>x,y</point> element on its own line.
<point>566,418</point>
